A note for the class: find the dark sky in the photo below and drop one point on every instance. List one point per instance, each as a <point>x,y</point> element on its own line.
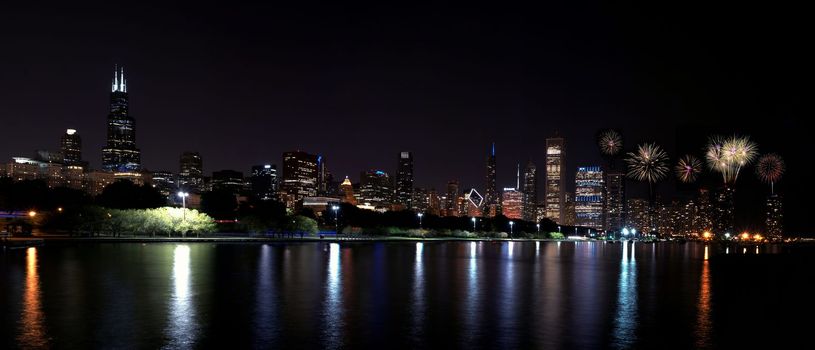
<point>359,83</point>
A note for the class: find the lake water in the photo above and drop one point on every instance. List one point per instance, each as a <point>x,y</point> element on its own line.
<point>501,295</point>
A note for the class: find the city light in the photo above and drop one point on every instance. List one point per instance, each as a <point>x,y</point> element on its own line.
<point>707,235</point>
<point>420,219</point>
<point>32,213</point>
<point>745,236</point>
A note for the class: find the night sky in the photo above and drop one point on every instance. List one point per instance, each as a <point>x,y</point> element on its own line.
<point>359,83</point>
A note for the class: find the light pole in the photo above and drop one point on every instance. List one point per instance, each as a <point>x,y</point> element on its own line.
<point>625,231</point>
<point>538,225</point>
<point>511,223</point>
<point>183,196</point>
<point>420,219</point>
<point>473,224</point>
<point>558,229</point>
<point>336,221</point>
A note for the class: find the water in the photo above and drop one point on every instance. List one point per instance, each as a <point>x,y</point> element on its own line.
<point>403,295</point>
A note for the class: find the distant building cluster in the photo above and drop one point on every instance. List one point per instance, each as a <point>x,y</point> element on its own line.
<point>599,202</point>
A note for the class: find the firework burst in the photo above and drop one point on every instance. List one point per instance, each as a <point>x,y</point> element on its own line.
<point>610,142</point>
<point>649,163</point>
<point>769,168</point>
<point>688,168</point>
<point>729,155</point>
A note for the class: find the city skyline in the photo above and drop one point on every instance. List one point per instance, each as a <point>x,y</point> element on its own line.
<point>453,85</point>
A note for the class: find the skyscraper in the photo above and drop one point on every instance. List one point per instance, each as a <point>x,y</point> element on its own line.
<point>512,203</point>
<point>120,154</point>
<point>530,191</point>
<point>71,145</point>
<point>491,197</point>
<point>775,216</point>
<point>452,193</point>
<point>299,177</point>
<point>347,192</point>
<point>404,180</point>
<point>376,188</point>
<point>724,218</point>
<point>164,182</point>
<point>555,175</point>
<point>589,197</point>
<point>264,181</point>
<point>614,211</point>
<point>228,180</point>
<point>191,172</point>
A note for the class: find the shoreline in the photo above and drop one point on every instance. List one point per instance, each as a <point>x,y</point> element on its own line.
<point>40,239</point>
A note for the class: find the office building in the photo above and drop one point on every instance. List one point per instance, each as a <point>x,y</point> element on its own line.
<point>264,181</point>
<point>555,175</point>
<point>589,185</point>
<point>614,208</point>
<point>404,180</point>
<point>191,172</point>
<point>299,177</point>
<point>120,154</point>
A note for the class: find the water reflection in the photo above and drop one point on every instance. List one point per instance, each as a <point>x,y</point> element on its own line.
<point>418,293</point>
<point>266,295</point>
<point>32,325</point>
<point>704,325</point>
<point>473,297</point>
<point>333,310</point>
<point>181,327</point>
<point>625,320</point>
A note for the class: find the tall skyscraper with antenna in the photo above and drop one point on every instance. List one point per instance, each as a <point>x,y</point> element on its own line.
<point>120,154</point>
<point>492,203</point>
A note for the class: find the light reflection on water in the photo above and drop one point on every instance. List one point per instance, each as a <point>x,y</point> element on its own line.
<point>625,320</point>
<point>333,311</point>
<point>510,294</point>
<point>418,296</point>
<point>265,329</point>
<point>704,324</point>
<point>32,324</point>
<point>181,328</point>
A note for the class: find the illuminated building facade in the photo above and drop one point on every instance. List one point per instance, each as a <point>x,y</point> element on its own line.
<point>420,200</point>
<point>555,175</point>
<point>299,177</point>
<point>638,217</point>
<point>191,172</point>
<point>404,180</point>
<point>347,190</point>
<point>264,181</point>
<point>512,203</point>
<point>451,205</point>
<point>71,147</point>
<point>120,154</point>
<point>376,189</point>
<point>530,192</point>
<point>775,216</point>
<point>614,208</point>
<point>589,186</point>
<point>492,203</point>
<point>724,217</point>
<point>164,182</point>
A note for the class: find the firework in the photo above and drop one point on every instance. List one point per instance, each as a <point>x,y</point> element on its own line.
<point>610,142</point>
<point>688,168</point>
<point>769,168</point>
<point>729,155</point>
<point>649,163</point>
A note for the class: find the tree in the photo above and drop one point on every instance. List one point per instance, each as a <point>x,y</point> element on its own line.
<point>298,224</point>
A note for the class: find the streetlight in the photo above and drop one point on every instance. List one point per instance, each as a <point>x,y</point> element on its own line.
<point>558,229</point>
<point>183,196</point>
<point>335,208</point>
<point>538,225</point>
<point>625,231</point>
<point>420,219</point>
<point>473,224</point>
<point>511,223</point>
